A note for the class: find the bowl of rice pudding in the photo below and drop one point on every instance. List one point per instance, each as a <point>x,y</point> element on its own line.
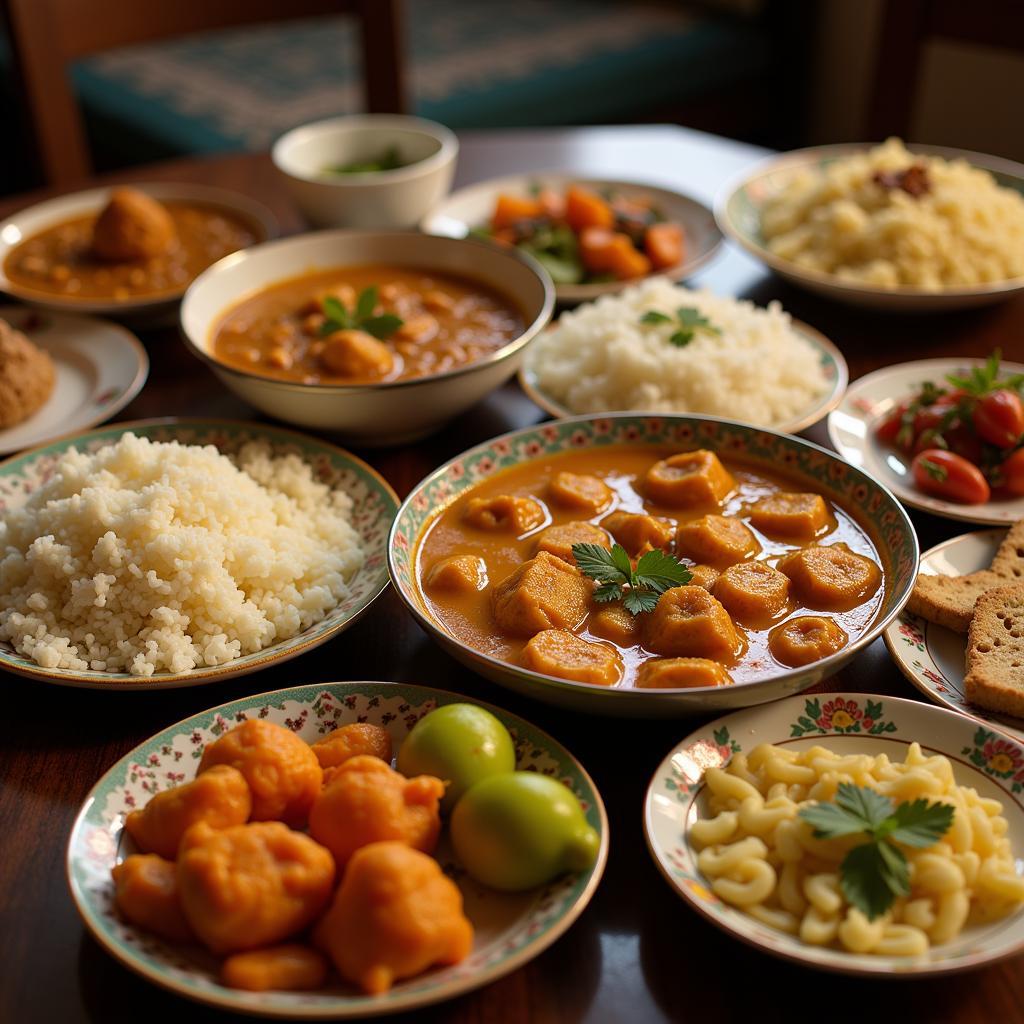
<point>171,553</point>
<point>905,228</point>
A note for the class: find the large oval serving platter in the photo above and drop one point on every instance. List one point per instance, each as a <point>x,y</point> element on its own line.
<point>850,723</point>
<point>511,929</point>
<point>374,506</point>
<point>738,213</point>
<point>932,657</point>
<point>852,424</point>
<point>807,465</point>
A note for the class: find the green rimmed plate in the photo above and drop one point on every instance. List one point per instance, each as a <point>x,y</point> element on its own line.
<point>810,468</point>
<point>932,657</point>
<point>738,214</point>
<point>511,929</point>
<point>374,507</point>
<point>850,723</point>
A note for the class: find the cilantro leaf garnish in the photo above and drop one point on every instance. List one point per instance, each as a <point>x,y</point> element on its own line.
<point>639,589</point>
<point>361,318</point>
<point>983,379</point>
<point>875,872</point>
<point>687,322</point>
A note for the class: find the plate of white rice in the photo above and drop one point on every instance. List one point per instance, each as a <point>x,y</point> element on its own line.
<point>169,553</point>
<point>661,348</point>
<point>898,227</point>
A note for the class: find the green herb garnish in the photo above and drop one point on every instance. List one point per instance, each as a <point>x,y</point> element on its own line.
<point>362,318</point>
<point>875,872</point>
<point>389,160</point>
<point>655,572</point>
<point>690,321</point>
<point>983,379</point>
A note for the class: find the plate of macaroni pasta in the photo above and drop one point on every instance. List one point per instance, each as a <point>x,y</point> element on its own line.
<point>863,834</point>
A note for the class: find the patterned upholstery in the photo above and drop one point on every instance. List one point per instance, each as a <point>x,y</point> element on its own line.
<point>472,64</point>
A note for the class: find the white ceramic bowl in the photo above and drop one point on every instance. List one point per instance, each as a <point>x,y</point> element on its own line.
<point>142,310</point>
<point>738,212</point>
<point>372,199</point>
<point>369,414</point>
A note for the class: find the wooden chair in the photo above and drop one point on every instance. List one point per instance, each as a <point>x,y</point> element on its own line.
<point>47,36</point>
<point>907,25</point>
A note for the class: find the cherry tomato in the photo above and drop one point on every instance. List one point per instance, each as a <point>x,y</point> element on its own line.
<point>929,438</point>
<point>1013,472</point>
<point>947,475</point>
<point>999,418</point>
<point>887,430</point>
<point>962,439</point>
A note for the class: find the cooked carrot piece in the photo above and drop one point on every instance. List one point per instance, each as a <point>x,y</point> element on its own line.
<point>551,203</point>
<point>586,209</point>
<point>606,252</point>
<point>510,209</point>
<point>664,245</point>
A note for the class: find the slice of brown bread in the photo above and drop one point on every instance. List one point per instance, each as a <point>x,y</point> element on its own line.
<point>995,651</point>
<point>1009,560</point>
<point>949,600</point>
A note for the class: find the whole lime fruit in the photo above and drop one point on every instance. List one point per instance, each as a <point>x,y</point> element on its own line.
<point>459,744</point>
<point>521,830</point>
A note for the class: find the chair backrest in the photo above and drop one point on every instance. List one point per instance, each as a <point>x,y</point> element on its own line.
<point>905,28</point>
<point>48,35</point>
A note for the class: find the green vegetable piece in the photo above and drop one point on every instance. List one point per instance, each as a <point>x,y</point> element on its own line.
<point>460,744</point>
<point>520,830</point>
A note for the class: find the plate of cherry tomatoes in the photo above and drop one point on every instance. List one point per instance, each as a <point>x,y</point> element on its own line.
<point>945,435</point>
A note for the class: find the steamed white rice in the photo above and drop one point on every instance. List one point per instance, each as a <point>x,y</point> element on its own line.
<point>152,557</point>
<point>601,358</point>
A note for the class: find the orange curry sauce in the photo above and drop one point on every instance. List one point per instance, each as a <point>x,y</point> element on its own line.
<point>469,616</point>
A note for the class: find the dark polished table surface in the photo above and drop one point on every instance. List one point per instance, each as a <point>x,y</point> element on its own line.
<point>637,953</point>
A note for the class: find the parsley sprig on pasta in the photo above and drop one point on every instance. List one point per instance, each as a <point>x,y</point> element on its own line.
<point>874,873</point>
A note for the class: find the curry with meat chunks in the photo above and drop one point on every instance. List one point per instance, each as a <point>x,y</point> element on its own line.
<point>134,248</point>
<point>648,567</point>
<point>371,324</point>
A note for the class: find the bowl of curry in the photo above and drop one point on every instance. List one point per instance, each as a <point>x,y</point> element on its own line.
<point>378,336</point>
<point>646,565</point>
<point>129,251</point>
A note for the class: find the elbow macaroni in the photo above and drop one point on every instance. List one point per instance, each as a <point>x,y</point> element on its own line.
<point>760,856</point>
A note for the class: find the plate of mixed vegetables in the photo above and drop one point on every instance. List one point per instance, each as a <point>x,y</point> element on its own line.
<point>592,236</point>
<point>947,435</point>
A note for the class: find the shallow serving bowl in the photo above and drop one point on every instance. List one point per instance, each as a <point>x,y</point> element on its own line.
<point>374,505</point>
<point>367,199</point>
<point>832,361</point>
<point>143,310</point>
<point>810,468</point>
<point>471,207</point>
<point>848,723</point>
<point>368,414</point>
<point>510,928</point>
<point>738,212</point>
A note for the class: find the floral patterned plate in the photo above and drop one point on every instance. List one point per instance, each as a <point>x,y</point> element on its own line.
<point>810,467</point>
<point>849,723</point>
<point>99,368</point>
<point>851,430</point>
<point>374,506</point>
<point>511,929</point>
<point>932,657</point>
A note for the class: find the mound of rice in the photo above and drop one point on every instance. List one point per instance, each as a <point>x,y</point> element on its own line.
<point>601,358</point>
<point>964,230</point>
<point>161,557</point>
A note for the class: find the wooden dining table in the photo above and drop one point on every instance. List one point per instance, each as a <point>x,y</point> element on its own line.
<point>637,954</point>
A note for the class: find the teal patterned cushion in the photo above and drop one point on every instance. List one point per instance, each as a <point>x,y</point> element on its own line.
<point>494,64</point>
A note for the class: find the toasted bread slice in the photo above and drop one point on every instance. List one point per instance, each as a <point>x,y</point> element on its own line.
<point>1009,560</point>
<point>949,600</point>
<point>995,651</point>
